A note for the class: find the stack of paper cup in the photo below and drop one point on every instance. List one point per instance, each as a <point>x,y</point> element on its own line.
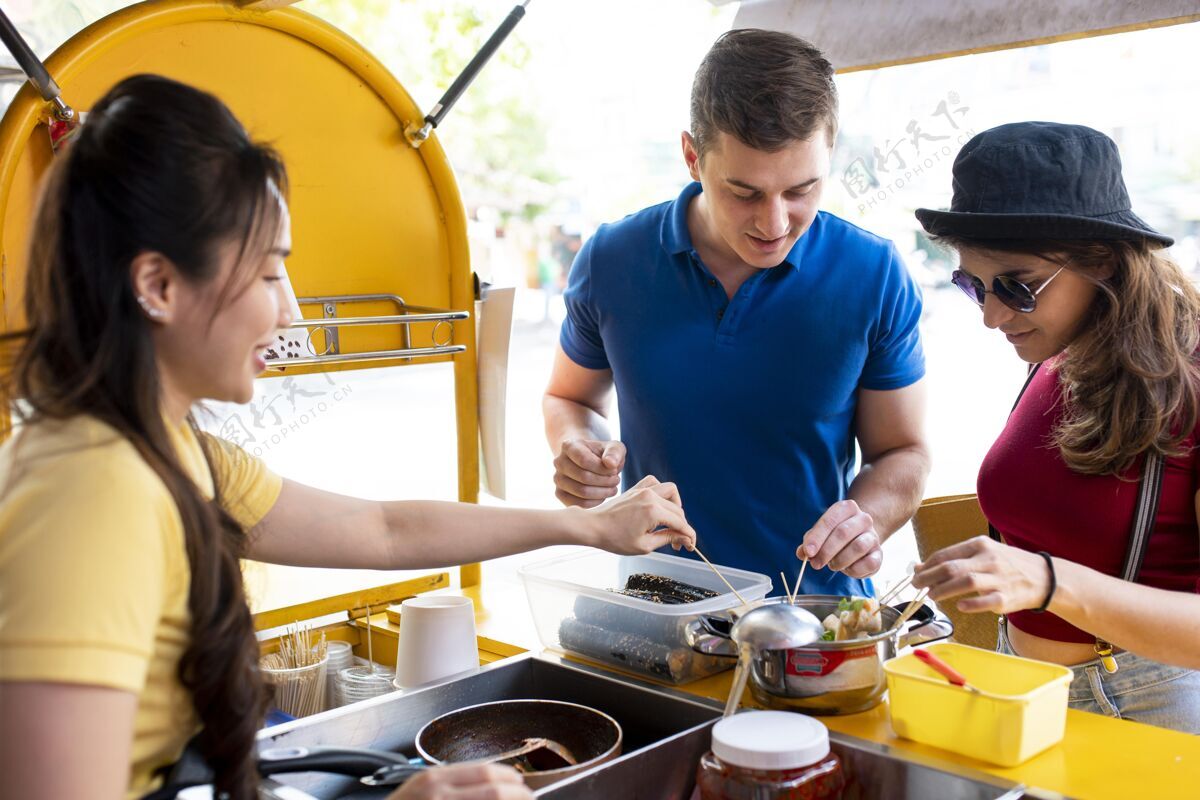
<point>341,656</point>
<point>437,639</point>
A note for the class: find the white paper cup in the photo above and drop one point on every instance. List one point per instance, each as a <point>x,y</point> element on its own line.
<point>437,639</point>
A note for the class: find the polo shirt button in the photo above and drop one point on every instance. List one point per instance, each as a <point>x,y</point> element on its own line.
<point>712,281</point>
<point>721,313</point>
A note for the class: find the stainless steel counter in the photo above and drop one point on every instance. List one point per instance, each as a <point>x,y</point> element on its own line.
<point>666,732</point>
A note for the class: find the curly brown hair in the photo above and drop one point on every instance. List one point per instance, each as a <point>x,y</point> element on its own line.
<point>1130,379</point>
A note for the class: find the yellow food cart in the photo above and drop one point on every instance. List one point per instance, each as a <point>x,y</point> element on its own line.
<point>383,278</point>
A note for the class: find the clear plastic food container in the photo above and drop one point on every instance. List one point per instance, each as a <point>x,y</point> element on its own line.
<point>574,612</point>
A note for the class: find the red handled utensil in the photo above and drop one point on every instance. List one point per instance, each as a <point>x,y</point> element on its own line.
<point>941,667</point>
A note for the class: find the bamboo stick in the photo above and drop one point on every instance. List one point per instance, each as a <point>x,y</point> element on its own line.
<point>900,585</point>
<point>741,599</point>
<point>803,567</point>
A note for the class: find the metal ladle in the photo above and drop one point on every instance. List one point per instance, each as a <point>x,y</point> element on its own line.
<point>779,626</point>
<point>539,754</point>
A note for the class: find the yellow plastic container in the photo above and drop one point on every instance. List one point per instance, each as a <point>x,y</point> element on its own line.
<point>1020,711</point>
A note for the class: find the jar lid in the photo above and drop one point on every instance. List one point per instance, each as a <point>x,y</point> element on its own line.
<point>770,740</point>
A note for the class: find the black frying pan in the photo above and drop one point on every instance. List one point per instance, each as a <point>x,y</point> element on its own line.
<point>468,734</point>
<point>479,732</point>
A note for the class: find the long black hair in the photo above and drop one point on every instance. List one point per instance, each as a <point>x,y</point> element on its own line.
<point>165,168</point>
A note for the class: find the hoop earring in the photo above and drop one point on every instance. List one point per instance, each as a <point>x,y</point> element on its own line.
<point>151,311</point>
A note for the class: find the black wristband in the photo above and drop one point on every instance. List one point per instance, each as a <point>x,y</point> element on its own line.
<point>1053,583</point>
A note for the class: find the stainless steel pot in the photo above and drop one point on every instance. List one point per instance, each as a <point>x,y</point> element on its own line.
<point>824,677</point>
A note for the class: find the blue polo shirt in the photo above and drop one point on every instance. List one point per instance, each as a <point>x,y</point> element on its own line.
<point>747,404</point>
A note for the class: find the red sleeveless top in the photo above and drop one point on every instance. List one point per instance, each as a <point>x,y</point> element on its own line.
<point>1037,503</point>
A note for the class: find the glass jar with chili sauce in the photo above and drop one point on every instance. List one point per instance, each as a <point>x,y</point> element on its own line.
<point>769,755</point>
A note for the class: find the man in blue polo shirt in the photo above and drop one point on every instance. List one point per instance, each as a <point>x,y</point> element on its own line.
<point>751,339</point>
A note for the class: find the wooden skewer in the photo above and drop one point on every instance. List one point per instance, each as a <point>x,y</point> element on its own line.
<point>298,694</point>
<point>890,594</point>
<point>803,567</point>
<point>370,652</point>
<point>703,558</point>
<point>910,609</point>
<point>787,592</point>
<point>895,589</point>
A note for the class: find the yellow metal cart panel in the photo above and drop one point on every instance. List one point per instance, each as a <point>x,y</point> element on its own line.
<point>371,214</point>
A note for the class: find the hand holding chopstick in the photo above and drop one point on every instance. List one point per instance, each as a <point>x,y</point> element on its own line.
<point>844,540</point>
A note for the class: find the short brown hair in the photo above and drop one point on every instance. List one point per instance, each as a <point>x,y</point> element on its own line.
<point>764,88</point>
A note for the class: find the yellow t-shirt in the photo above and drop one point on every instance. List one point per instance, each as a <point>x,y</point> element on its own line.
<point>94,573</point>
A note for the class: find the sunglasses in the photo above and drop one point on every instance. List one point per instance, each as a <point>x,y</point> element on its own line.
<point>1008,290</point>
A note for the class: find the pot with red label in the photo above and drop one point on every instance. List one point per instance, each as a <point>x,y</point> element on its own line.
<point>828,677</point>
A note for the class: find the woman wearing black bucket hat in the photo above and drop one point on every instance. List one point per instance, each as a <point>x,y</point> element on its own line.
<point>1091,488</point>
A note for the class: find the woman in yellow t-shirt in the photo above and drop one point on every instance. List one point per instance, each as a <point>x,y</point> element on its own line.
<point>155,282</point>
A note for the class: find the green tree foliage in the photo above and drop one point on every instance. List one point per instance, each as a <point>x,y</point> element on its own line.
<point>495,134</point>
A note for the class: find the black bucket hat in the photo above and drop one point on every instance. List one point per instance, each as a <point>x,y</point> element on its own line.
<point>1040,180</point>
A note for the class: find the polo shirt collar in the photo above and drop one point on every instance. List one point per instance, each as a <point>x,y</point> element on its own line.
<point>677,239</point>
